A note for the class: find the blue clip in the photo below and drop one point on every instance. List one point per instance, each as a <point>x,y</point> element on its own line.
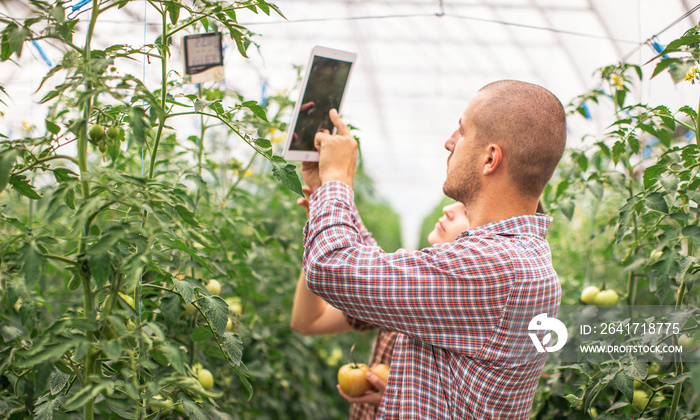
<point>263,100</point>
<point>80,4</point>
<point>658,48</point>
<point>42,53</point>
<point>75,9</point>
<point>586,111</point>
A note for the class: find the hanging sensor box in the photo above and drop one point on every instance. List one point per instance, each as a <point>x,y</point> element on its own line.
<point>204,57</point>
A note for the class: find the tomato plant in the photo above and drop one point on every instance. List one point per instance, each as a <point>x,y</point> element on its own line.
<point>632,195</point>
<point>135,255</point>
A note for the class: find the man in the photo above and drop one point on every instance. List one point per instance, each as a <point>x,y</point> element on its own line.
<point>462,308</point>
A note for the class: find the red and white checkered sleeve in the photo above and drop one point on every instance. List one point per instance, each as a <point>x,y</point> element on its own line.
<point>450,295</point>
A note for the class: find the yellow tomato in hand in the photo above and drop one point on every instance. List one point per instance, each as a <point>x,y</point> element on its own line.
<point>352,379</point>
<point>382,371</point>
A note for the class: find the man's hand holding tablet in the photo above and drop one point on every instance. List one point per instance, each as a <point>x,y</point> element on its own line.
<point>324,83</point>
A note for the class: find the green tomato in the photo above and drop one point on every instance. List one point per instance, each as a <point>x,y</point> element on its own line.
<point>654,369</point>
<point>637,384</point>
<point>129,325</point>
<point>606,297</point>
<point>588,294</point>
<point>657,253</point>
<point>214,287</point>
<point>96,132</point>
<point>640,399</point>
<point>113,132</point>
<point>128,299</point>
<point>234,305</point>
<point>688,343</point>
<point>206,379</point>
<point>189,310</point>
<point>157,403</point>
<point>103,147</point>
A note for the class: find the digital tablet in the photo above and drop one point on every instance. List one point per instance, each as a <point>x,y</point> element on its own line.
<point>327,74</point>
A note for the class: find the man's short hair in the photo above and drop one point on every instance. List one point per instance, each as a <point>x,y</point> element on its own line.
<point>529,123</point>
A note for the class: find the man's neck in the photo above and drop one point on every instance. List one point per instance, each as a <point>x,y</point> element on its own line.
<point>489,209</point>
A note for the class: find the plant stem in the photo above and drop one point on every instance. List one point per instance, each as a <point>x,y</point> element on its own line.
<point>46,159</point>
<point>679,363</point>
<point>200,145</point>
<point>241,175</point>
<point>59,258</point>
<point>632,280</point>
<point>163,89</point>
<point>90,359</point>
<point>697,126</point>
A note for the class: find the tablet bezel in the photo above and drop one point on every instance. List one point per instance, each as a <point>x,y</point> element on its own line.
<point>317,51</point>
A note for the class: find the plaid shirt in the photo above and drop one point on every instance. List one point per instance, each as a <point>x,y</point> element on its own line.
<point>463,308</point>
<point>383,343</point>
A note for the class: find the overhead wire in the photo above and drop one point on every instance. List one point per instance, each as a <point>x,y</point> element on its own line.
<point>651,41</point>
<point>442,14</point>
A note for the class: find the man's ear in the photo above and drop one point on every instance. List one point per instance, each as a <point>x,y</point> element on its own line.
<point>493,158</point>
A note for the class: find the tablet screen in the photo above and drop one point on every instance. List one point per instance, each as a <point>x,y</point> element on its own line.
<point>324,91</point>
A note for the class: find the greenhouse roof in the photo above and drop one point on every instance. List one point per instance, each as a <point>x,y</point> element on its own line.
<point>419,62</point>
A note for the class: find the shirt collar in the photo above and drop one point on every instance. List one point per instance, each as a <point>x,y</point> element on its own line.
<point>535,225</point>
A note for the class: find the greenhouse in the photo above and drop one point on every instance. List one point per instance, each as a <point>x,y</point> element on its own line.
<point>499,222</point>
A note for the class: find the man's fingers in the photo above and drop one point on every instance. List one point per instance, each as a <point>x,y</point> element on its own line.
<point>320,137</point>
<point>376,382</point>
<point>306,190</point>
<point>343,129</point>
<point>369,397</point>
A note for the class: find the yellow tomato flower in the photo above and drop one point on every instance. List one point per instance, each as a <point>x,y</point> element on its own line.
<point>617,81</point>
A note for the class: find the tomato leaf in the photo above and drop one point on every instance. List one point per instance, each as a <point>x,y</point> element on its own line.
<point>41,354</point>
<point>64,174</point>
<point>32,264</point>
<point>257,109</point>
<point>9,333</point>
<point>637,369</point>
<point>216,311</point>
<point>234,347</point>
<point>22,186</point>
<point>288,176</point>
<point>7,162</point>
<point>656,201</point>
<point>88,393</point>
<point>567,208</point>
<point>185,289</point>
<point>45,406</point>
<point>200,334</point>
<point>191,408</point>
<point>652,173</point>
<point>175,357</point>
<point>58,381</point>
<point>186,215</point>
<point>69,198</point>
<point>625,384</point>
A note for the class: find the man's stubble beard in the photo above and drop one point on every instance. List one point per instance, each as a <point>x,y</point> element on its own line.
<point>464,186</point>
